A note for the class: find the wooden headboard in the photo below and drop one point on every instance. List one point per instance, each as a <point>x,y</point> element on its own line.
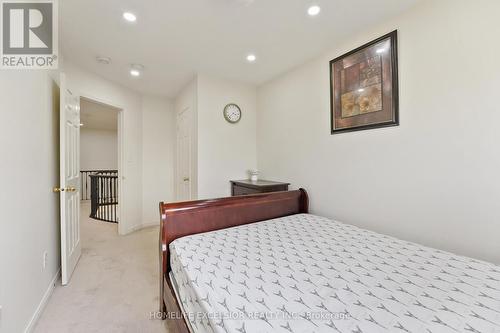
<point>193,217</point>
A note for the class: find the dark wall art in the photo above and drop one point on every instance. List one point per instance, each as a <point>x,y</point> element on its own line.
<point>364,87</point>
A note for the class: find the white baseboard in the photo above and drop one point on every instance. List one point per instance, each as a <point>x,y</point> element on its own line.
<point>140,227</point>
<point>148,225</point>
<point>43,303</point>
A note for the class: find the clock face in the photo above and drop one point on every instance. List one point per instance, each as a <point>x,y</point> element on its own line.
<point>232,113</point>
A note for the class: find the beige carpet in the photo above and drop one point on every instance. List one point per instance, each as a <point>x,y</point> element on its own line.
<point>114,287</point>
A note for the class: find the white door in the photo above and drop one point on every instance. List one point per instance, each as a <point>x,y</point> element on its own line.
<point>70,180</point>
<point>184,155</point>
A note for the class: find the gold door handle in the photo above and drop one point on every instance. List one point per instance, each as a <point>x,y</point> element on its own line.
<point>67,189</point>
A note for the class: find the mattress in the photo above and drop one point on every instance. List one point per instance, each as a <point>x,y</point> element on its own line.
<point>305,273</point>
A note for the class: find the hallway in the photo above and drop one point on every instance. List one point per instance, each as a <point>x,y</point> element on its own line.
<point>114,287</point>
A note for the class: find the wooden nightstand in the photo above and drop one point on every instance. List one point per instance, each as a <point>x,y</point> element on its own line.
<point>243,187</point>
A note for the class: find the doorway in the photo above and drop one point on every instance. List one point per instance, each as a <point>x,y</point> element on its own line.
<point>76,224</point>
<point>99,162</point>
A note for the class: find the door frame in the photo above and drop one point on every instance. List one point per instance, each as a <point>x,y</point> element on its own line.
<point>120,135</point>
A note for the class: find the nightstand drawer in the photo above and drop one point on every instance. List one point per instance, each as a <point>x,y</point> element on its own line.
<point>244,187</point>
<point>239,190</point>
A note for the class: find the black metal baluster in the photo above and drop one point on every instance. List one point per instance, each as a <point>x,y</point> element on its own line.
<point>93,197</point>
<point>87,175</point>
<point>97,180</point>
<point>104,215</point>
<point>111,199</point>
<point>105,181</point>
<point>115,200</point>
<point>104,195</point>
<point>113,211</point>
<point>101,215</point>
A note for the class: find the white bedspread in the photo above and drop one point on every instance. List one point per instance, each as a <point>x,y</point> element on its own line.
<point>305,273</point>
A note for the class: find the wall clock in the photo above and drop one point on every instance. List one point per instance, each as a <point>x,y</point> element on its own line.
<point>232,113</point>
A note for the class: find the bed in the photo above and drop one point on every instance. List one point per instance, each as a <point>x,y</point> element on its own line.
<point>261,263</point>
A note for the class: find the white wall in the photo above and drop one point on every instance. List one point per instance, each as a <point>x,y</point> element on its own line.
<point>225,151</point>
<point>29,107</point>
<point>158,142</point>
<point>98,149</point>
<point>29,168</point>
<point>432,180</point>
<point>220,151</point>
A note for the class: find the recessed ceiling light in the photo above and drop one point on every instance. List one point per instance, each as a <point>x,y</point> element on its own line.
<point>251,58</point>
<point>129,17</point>
<point>314,10</point>
<point>103,60</point>
<point>361,90</point>
<point>136,69</point>
<point>81,124</point>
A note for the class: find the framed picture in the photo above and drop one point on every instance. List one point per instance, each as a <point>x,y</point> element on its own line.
<point>364,87</point>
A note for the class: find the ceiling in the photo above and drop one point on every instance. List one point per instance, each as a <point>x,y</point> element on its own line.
<point>98,116</point>
<point>175,39</point>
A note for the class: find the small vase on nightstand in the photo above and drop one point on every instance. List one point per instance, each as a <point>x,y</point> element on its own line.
<point>254,175</point>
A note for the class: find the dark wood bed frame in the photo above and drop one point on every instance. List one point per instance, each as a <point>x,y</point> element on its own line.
<point>192,217</point>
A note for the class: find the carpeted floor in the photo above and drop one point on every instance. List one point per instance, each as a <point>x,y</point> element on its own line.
<point>114,287</point>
